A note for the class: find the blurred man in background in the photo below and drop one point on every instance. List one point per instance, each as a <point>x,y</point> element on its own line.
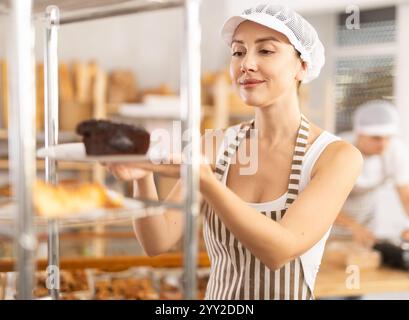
<point>386,159</point>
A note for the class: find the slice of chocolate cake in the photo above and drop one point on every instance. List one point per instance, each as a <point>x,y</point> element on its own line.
<point>102,137</point>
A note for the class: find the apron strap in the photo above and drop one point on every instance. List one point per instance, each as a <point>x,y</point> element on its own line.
<point>296,164</point>
<point>225,158</point>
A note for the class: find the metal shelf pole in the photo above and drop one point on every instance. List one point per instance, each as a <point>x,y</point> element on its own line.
<point>190,97</point>
<point>22,138</point>
<point>52,17</point>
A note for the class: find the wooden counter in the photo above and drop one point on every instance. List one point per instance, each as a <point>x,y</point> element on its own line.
<point>334,281</point>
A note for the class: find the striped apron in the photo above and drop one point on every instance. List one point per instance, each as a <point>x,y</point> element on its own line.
<point>236,273</point>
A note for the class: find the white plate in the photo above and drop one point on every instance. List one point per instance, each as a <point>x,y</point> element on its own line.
<point>76,152</point>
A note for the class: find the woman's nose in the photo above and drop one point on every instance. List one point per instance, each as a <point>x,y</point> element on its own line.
<point>248,64</point>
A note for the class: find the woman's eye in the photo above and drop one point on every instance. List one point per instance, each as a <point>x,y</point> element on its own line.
<point>266,52</point>
<point>237,53</point>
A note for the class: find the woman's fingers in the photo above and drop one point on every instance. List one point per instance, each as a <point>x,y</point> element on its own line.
<point>118,172</point>
<point>170,170</point>
<point>134,170</point>
<point>122,172</point>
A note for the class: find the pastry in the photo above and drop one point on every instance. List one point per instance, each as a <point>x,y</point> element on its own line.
<point>71,282</point>
<point>103,137</point>
<point>64,199</point>
<point>129,289</point>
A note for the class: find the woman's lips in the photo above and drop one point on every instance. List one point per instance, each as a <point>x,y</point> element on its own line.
<point>251,83</point>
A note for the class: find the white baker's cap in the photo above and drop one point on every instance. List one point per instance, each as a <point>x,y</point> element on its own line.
<point>299,32</point>
<point>376,118</point>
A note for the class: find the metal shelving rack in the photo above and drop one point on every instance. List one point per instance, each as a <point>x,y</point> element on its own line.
<point>22,116</point>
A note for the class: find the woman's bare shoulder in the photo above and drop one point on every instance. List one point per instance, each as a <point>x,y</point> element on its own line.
<point>339,154</point>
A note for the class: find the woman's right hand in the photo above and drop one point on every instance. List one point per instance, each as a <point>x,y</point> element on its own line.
<point>363,236</point>
<point>127,172</point>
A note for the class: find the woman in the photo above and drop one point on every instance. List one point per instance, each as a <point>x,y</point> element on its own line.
<point>262,248</point>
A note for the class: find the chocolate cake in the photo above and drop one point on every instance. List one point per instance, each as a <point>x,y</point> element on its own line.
<point>102,137</point>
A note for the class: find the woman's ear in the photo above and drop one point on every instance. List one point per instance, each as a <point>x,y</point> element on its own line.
<point>301,71</point>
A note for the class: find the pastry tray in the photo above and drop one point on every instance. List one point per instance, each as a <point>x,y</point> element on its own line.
<point>132,209</point>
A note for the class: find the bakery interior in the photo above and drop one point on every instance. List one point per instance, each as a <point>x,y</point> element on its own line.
<point>126,67</point>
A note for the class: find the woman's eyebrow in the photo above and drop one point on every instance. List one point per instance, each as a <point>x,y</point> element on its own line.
<point>257,41</point>
<point>267,39</point>
<point>237,41</point>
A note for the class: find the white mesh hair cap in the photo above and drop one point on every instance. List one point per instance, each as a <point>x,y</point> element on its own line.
<point>299,32</point>
<point>376,118</point>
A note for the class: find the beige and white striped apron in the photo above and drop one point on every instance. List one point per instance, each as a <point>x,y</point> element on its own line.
<point>235,272</point>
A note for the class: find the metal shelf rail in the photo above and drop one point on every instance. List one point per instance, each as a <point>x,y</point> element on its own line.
<point>22,138</point>
<point>22,102</point>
